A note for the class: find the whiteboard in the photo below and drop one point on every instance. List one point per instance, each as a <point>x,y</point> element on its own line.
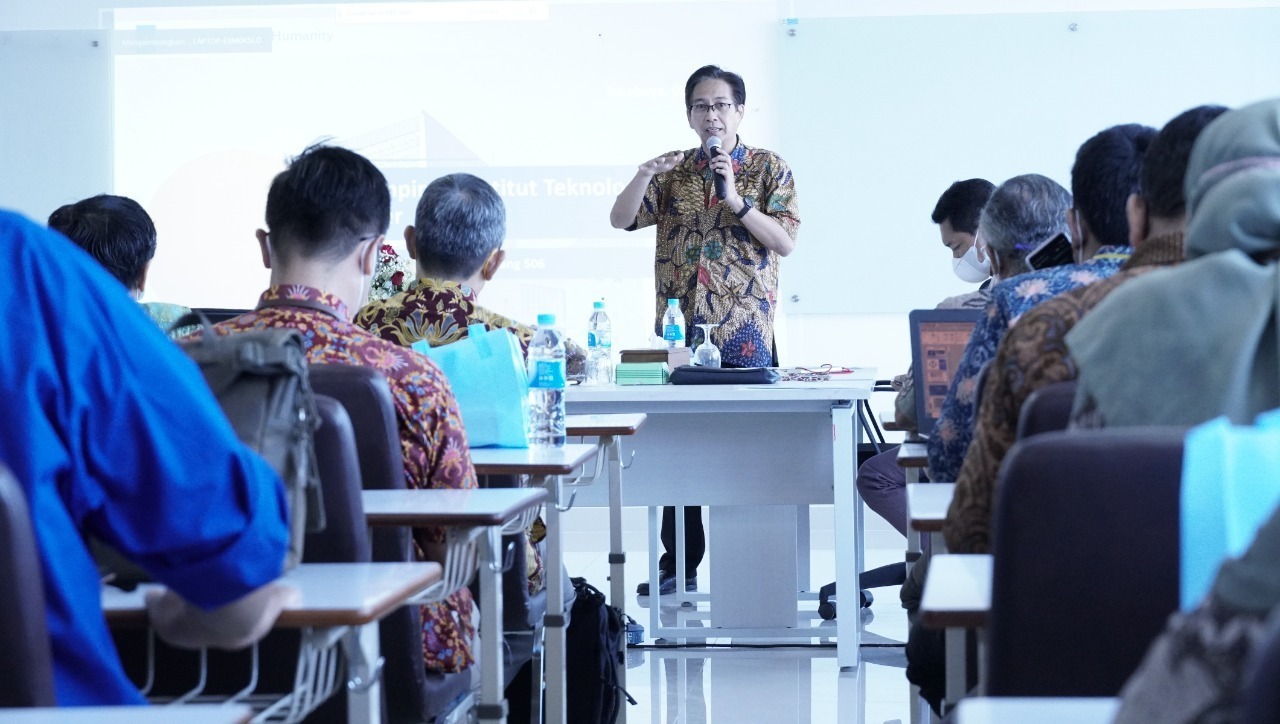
<point>880,114</point>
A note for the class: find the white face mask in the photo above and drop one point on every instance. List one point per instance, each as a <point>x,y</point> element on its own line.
<point>973,267</point>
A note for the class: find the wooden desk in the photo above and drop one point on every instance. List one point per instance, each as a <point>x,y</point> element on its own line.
<point>185,713</point>
<point>957,596</point>
<point>889,423</point>
<point>1047,710</point>
<point>351,597</point>
<point>547,466</point>
<point>758,455</point>
<point>467,512</point>
<point>927,505</point>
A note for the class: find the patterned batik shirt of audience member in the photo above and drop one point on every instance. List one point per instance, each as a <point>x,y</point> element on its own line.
<point>439,311</point>
<point>1032,355</point>
<point>1010,299</point>
<point>706,258</point>
<point>431,434</point>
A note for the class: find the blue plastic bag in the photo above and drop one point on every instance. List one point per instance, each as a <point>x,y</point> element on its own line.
<point>487,373</point>
<point>1230,486</point>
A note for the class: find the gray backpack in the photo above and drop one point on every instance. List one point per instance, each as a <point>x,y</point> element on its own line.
<point>260,380</point>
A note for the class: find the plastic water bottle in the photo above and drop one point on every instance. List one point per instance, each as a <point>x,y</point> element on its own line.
<point>546,384</point>
<point>673,324</point>
<point>599,347</point>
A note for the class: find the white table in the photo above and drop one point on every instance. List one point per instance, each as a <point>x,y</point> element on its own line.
<point>468,515</point>
<point>343,600</point>
<point>758,455</point>
<point>1047,710</point>
<point>927,505</point>
<point>957,596</point>
<point>187,714</point>
<point>547,468</point>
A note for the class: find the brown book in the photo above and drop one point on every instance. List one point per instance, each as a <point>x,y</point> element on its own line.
<point>674,356</point>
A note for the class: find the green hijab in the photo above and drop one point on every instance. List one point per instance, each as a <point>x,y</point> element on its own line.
<point>1186,344</point>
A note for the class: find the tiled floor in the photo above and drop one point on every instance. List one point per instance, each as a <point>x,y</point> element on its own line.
<point>726,684</point>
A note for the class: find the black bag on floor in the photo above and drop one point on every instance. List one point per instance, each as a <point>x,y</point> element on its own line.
<point>595,644</point>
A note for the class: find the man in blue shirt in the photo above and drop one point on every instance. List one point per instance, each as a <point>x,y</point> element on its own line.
<point>111,431</point>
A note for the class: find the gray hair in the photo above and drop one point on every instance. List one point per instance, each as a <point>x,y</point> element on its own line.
<point>460,221</point>
<point>1022,213</point>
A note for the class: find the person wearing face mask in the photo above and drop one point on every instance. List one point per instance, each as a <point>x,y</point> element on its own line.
<point>119,233</point>
<point>725,217</point>
<point>881,481</point>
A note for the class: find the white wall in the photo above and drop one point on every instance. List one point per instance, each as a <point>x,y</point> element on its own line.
<point>886,268</point>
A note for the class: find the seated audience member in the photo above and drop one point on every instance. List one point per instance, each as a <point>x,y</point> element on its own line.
<point>1184,345</point>
<point>327,215</point>
<point>1196,669</point>
<point>119,233</point>
<point>1211,324</point>
<point>881,482</point>
<point>1033,353</point>
<point>456,240</point>
<point>1022,214</point>
<point>111,431</point>
<point>1105,173</point>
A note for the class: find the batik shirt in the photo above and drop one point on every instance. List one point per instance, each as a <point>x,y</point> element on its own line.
<point>439,311</point>
<point>1010,299</point>
<point>705,257</point>
<point>1032,355</point>
<point>435,449</point>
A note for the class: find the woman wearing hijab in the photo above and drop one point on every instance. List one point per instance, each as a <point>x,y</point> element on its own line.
<point>1179,347</point>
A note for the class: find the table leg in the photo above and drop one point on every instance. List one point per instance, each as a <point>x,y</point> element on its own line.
<point>364,688</point>
<point>493,705</point>
<point>556,703</point>
<point>617,556</point>
<point>848,529</point>
<point>655,620</point>
<point>957,677</point>
<point>913,535</point>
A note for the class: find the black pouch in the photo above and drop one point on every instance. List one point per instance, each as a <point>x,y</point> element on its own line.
<point>692,375</point>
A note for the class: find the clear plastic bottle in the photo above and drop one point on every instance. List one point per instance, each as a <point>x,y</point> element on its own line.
<point>673,324</point>
<point>546,384</point>
<point>599,347</point>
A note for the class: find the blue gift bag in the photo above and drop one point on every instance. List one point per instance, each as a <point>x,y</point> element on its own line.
<point>487,373</point>
<point>1230,486</point>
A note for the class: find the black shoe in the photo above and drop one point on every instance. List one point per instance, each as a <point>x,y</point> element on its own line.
<point>667,584</point>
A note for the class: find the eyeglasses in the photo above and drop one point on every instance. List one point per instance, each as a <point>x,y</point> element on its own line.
<point>701,109</point>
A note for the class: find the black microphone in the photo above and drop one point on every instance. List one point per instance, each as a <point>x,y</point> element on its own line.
<point>713,149</point>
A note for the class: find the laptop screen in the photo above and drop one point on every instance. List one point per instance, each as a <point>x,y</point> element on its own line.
<point>938,340</point>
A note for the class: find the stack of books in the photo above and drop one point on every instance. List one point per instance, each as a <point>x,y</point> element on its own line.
<point>642,373</point>
<point>673,357</point>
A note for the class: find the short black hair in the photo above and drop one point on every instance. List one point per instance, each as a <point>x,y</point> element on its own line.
<point>715,72</point>
<point>460,221</point>
<point>1164,168</point>
<point>1105,172</point>
<point>326,201</point>
<point>115,230</point>
<point>961,204</point>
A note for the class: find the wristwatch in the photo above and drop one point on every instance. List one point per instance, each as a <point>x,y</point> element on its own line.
<point>746,206</point>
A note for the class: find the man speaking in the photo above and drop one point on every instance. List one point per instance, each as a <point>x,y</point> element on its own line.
<point>726,213</point>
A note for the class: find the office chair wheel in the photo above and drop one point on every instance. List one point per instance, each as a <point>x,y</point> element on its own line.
<point>827,610</point>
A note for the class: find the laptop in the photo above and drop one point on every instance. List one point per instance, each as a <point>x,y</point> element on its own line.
<point>938,340</point>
